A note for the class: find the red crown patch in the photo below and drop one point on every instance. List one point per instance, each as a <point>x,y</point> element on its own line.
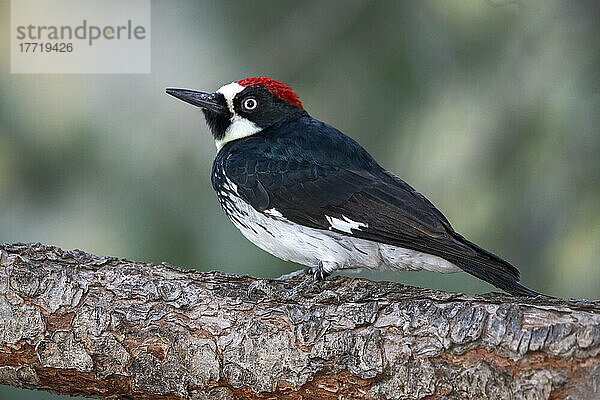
<point>276,88</point>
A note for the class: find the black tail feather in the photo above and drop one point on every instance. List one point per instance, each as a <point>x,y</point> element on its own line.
<point>501,281</point>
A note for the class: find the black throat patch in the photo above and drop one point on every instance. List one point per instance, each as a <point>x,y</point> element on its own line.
<point>218,122</point>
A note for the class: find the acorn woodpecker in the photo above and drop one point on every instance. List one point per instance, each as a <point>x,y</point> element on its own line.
<point>303,191</point>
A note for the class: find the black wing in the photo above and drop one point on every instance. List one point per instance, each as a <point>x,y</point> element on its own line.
<point>306,189</point>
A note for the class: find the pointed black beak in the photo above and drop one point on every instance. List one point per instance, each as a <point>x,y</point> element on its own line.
<point>206,101</point>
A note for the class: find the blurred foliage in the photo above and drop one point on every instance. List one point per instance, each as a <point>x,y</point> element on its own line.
<point>490,108</point>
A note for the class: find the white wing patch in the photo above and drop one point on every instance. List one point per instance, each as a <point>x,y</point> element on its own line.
<point>273,212</point>
<point>345,224</point>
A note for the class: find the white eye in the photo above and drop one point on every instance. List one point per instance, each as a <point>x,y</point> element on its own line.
<point>250,103</point>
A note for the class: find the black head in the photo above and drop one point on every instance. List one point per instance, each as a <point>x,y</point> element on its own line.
<point>244,108</point>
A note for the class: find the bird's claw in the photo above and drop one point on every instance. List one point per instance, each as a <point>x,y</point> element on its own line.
<point>319,273</point>
<point>310,275</point>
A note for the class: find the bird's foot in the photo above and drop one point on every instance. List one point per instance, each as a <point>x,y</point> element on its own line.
<point>311,276</point>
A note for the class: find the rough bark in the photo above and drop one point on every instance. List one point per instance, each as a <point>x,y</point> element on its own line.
<point>78,324</point>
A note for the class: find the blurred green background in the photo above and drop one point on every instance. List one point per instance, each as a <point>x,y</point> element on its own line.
<point>489,108</point>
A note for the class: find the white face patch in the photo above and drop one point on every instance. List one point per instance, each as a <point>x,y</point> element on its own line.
<point>239,127</point>
<point>229,91</point>
<point>345,224</point>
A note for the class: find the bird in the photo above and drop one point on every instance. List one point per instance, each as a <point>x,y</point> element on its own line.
<point>305,192</point>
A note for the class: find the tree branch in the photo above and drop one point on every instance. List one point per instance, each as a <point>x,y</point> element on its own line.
<point>78,324</point>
